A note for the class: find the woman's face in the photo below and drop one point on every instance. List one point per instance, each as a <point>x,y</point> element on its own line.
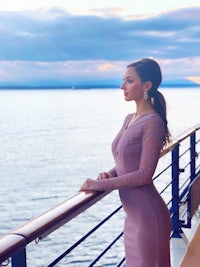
<point>132,86</point>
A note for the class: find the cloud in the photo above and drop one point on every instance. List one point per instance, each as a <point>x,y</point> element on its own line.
<point>55,35</point>
<point>195,79</point>
<point>61,72</point>
<point>181,67</point>
<point>107,66</point>
<point>88,71</point>
<point>54,46</point>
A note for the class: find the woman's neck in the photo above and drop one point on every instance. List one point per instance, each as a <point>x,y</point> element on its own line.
<point>144,108</point>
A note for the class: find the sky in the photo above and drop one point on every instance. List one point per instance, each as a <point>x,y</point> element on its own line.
<point>92,41</point>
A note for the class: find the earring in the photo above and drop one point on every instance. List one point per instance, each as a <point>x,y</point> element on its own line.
<point>146,95</point>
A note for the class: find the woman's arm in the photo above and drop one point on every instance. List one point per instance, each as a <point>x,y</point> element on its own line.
<point>152,140</point>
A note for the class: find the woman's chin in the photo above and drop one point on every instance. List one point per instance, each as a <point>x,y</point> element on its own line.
<point>127,99</point>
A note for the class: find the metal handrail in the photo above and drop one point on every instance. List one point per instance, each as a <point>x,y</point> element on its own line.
<point>179,139</point>
<point>46,223</point>
<point>51,220</point>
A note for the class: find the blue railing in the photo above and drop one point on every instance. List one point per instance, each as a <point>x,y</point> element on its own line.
<point>179,173</point>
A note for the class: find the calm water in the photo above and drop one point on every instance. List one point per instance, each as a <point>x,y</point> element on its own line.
<point>51,140</point>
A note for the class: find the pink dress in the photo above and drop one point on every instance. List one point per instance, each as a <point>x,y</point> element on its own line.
<point>147,227</point>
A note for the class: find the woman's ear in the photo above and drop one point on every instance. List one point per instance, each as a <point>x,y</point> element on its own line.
<point>147,85</point>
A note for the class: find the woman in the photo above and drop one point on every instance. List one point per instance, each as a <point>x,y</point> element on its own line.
<point>136,150</point>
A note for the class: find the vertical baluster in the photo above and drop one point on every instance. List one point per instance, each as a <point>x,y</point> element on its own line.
<point>19,259</point>
<point>192,174</point>
<point>175,193</point>
<point>192,156</point>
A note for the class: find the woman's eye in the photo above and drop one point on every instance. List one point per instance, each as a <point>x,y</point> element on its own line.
<point>129,81</point>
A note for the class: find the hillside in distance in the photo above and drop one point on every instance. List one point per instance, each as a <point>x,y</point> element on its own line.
<point>88,84</point>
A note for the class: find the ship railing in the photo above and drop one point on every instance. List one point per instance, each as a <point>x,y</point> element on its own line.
<point>178,165</point>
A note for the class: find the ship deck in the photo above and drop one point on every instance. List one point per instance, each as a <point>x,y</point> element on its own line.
<point>185,250</point>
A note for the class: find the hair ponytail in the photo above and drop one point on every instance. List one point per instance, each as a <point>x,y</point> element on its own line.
<point>159,104</point>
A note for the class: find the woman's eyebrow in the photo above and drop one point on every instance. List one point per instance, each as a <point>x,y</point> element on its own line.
<point>125,77</point>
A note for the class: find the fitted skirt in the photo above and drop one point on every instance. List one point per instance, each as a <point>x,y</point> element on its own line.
<point>147,227</point>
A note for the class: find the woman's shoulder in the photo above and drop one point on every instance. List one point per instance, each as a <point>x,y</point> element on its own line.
<point>154,121</point>
<point>155,117</point>
<point>151,120</point>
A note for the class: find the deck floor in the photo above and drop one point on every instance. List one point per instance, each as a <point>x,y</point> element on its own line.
<point>181,246</point>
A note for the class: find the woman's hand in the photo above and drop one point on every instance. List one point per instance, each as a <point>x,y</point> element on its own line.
<point>89,185</point>
<point>92,184</point>
<point>103,175</point>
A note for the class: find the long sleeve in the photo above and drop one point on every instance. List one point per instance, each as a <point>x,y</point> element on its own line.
<point>151,143</point>
<point>113,172</point>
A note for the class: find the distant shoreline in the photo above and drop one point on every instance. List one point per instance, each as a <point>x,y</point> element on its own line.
<point>79,87</point>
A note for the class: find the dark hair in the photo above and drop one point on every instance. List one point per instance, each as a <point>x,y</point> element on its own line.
<point>149,70</point>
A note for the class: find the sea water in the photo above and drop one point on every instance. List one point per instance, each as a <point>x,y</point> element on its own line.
<point>51,141</point>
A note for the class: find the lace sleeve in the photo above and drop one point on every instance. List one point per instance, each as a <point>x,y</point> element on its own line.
<point>152,140</point>
<point>113,172</point>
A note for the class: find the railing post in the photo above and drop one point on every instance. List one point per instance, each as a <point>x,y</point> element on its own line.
<point>192,156</point>
<point>19,259</point>
<point>176,229</point>
<point>192,174</point>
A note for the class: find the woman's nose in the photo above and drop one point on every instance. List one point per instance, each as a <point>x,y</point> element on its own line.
<point>122,86</point>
